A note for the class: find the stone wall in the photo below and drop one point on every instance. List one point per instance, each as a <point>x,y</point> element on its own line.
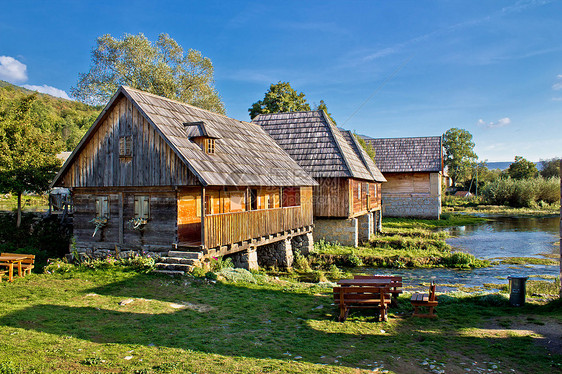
<point>303,243</point>
<point>247,259</point>
<point>278,254</point>
<point>365,223</point>
<point>343,231</point>
<point>411,205</point>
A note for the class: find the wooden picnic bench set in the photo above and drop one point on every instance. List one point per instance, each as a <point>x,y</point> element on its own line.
<point>379,292</point>
<point>23,262</point>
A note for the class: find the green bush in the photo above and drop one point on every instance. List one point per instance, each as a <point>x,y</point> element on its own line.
<point>522,193</point>
<point>58,267</point>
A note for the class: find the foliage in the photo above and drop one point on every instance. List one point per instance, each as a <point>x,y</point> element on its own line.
<point>219,263</point>
<point>161,68</point>
<point>66,119</point>
<point>137,223</point>
<point>301,262</point>
<point>99,223</point>
<point>324,107</point>
<point>58,266</point>
<point>137,262</point>
<point>281,97</point>
<point>27,152</point>
<point>459,154</point>
<point>45,237</point>
<point>522,192</point>
<point>368,147</point>
<point>522,169</point>
<point>550,168</point>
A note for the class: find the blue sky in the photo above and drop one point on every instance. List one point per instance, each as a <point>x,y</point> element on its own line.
<point>384,68</point>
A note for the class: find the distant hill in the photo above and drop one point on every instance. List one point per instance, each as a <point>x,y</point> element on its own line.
<point>70,119</point>
<point>504,165</point>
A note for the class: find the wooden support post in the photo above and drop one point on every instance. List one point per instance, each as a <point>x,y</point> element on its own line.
<point>203,217</point>
<point>121,223</point>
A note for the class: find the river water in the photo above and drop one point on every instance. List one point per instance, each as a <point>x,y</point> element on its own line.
<point>499,238</point>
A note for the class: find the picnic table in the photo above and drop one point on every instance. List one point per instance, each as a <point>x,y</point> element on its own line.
<point>371,293</point>
<point>10,260</point>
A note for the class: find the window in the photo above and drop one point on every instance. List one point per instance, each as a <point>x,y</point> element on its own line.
<point>359,191</point>
<point>142,207</point>
<point>291,196</point>
<point>253,199</point>
<point>270,201</point>
<point>236,202</point>
<point>209,145</point>
<point>125,146</point>
<point>102,206</point>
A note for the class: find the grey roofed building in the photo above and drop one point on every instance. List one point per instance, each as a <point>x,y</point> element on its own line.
<point>347,200</point>
<point>399,155</point>
<point>319,146</point>
<point>245,154</point>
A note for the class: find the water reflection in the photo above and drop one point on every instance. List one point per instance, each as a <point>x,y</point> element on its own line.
<point>501,237</point>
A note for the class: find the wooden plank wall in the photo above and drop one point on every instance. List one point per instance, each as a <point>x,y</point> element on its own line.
<point>159,232</point>
<point>227,228</point>
<point>331,197</point>
<point>406,183</point>
<point>374,196</point>
<point>153,162</point>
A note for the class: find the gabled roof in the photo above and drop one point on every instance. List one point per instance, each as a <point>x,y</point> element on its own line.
<point>318,146</point>
<point>402,155</point>
<point>367,161</point>
<point>244,154</point>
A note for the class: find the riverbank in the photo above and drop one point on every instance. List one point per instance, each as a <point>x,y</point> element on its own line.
<point>117,320</point>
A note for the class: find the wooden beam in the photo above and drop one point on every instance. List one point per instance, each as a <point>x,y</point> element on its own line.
<point>203,244</point>
<point>121,223</point>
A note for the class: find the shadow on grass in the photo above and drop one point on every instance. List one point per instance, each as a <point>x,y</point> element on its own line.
<point>269,322</point>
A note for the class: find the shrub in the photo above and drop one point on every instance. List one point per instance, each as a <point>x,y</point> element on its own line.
<point>301,262</point>
<point>523,192</point>
<point>219,263</point>
<point>58,267</point>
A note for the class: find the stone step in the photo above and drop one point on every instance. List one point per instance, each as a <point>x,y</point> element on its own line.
<point>192,255</point>
<point>169,272</point>
<point>180,267</point>
<point>179,260</point>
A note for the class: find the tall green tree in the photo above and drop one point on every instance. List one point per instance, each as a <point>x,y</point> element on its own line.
<point>522,169</point>
<point>550,168</point>
<point>324,107</point>
<point>27,153</point>
<point>368,147</point>
<point>460,157</point>
<point>281,97</point>
<point>161,68</point>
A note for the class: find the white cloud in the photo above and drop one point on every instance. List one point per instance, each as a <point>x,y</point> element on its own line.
<point>502,122</point>
<point>558,85</point>
<point>12,70</point>
<point>48,90</point>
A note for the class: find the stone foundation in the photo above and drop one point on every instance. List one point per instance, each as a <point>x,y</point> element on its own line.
<point>343,231</point>
<point>303,243</point>
<point>377,221</point>
<point>365,225</point>
<point>246,259</point>
<point>279,255</point>
<point>411,205</point>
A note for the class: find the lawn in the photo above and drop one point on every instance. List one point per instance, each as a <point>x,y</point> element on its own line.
<point>116,320</point>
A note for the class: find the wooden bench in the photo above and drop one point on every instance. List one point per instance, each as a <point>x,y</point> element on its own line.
<point>1,275</point>
<point>395,284</point>
<point>26,265</point>
<point>347,297</point>
<point>425,300</point>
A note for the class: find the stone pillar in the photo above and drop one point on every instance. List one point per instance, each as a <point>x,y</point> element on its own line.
<point>377,221</point>
<point>278,254</point>
<point>303,243</point>
<point>246,259</point>
<point>365,223</point>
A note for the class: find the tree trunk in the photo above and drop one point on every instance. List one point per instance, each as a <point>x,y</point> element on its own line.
<point>18,220</point>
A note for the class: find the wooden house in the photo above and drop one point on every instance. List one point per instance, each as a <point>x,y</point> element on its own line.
<point>347,200</point>
<point>162,176</point>
<point>413,168</point>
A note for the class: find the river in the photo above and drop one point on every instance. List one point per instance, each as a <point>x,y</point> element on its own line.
<point>498,238</point>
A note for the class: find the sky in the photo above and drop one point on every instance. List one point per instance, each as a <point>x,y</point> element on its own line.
<point>384,68</point>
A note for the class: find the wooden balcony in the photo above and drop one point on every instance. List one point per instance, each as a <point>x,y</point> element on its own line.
<point>227,228</point>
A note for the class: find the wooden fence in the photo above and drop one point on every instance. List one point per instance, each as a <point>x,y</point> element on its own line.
<point>227,228</point>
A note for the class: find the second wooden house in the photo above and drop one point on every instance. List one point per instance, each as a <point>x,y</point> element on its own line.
<point>347,200</point>
<point>183,183</point>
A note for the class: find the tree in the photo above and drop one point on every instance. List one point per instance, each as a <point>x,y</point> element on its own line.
<point>522,169</point>
<point>459,154</point>
<point>550,168</point>
<point>161,68</point>
<point>27,153</point>
<point>281,97</point>
<point>324,107</point>
<point>368,147</point>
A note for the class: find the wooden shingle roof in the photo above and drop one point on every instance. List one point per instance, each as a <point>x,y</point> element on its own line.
<point>402,155</point>
<point>318,146</point>
<point>245,155</point>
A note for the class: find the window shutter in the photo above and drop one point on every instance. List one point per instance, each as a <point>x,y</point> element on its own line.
<point>122,146</point>
<point>98,207</point>
<point>137,207</point>
<point>105,207</point>
<point>145,207</point>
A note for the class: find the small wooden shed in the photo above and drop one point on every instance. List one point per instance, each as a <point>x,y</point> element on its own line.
<point>347,200</point>
<point>158,175</point>
<point>413,168</point>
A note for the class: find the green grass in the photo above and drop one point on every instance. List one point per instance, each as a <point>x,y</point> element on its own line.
<point>452,205</point>
<point>74,322</point>
<point>33,203</point>
<point>527,261</point>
